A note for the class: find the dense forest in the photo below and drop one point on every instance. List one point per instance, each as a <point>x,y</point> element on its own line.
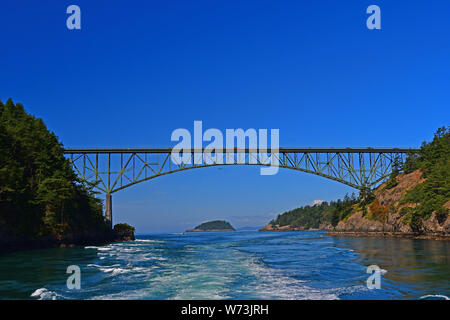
<point>433,160</point>
<point>40,195</point>
<point>312,217</point>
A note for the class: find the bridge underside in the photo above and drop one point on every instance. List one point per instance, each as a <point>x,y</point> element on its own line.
<point>111,170</point>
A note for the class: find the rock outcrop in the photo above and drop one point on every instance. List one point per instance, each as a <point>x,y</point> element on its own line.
<point>276,227</point>
<point>123,232</point>
<point>384,215</point>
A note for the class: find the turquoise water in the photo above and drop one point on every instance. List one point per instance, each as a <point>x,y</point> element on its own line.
<point>233,265</point>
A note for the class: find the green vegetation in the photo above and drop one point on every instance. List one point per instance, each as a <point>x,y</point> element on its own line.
<point>392,181</point>
<point>123,228</point>
<point>313,216</point>
<point>124,231</point>
<point>40,196</point>
<point>434,162</point>
<point>215,225</point>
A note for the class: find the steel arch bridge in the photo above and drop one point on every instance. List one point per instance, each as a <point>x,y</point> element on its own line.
<point>112,170</point>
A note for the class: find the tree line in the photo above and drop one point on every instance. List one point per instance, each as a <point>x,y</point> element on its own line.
<point>40,195</point>
<point>433,160</point>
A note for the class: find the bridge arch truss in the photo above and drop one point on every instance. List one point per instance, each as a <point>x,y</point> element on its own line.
<point>112,170</point>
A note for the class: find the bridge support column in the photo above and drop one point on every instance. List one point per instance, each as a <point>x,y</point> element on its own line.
<point>108,209</point>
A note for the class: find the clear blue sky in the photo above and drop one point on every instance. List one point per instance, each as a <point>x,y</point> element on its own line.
<point>137,70</point>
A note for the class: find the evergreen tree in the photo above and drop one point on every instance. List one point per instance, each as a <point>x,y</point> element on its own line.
<point>39,192</point>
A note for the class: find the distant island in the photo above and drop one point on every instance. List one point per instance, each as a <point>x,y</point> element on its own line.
<point>213,226</point>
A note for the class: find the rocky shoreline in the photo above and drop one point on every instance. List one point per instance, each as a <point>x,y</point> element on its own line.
<point>385,216</point>
<point>10,244</point>
<point>381,234</point>
<point>390,235</point>
<point>37,244</point>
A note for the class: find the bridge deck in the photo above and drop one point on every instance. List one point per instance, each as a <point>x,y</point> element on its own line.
<point>114,169</point>
<point>246,150</point>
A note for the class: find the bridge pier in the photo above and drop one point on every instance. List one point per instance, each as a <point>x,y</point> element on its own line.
<point>108,209</point>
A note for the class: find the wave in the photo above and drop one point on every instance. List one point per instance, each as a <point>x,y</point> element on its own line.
<point>212,269</point>
<point>274,284</point>
<point>116,269</point>
<point>45,294</point>
<point>149,241</point>
<point>434,297</point>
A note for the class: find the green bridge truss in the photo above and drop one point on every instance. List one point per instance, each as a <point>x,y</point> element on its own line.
<point>111,170</point>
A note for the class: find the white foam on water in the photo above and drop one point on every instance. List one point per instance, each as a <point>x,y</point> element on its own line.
<point>104,248</point>
<point>115,269</point>
<point>128,294</point>
<point>441,296</point>
<point>157,258</point>
<point>44,294</point>
<point>187,294</point>
<point>202,272</point>
<point>191,279</point>
<point>273,284</point>
<point>149,241</point>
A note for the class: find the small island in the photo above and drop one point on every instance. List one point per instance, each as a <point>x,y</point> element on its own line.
<point>123,232</point>
<point>213,226</point>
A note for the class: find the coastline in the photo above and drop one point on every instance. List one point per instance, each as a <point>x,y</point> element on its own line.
<point>382,234</point>
<point>388,214</point>
<point>38,244</point>
<point>15,245</point>
<point>368,234</point>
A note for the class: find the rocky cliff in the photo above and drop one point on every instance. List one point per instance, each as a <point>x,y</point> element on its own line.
<point>386,215</point>
<point>277,227</point>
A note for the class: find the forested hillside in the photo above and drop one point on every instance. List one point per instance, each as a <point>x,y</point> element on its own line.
<point>40,196</point>
<point>313,217</point>
<point>415,199</point>
<point>433,195</point>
